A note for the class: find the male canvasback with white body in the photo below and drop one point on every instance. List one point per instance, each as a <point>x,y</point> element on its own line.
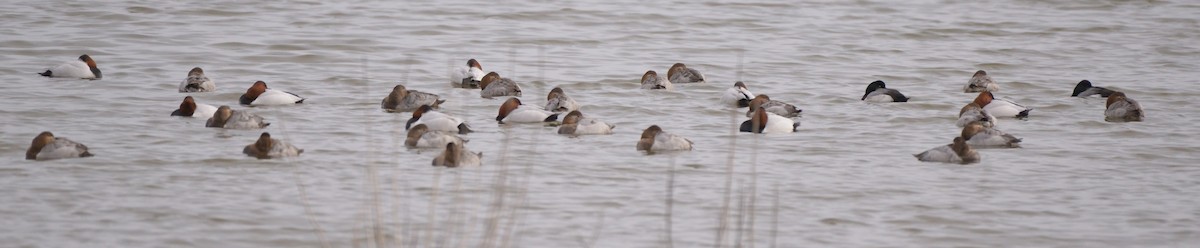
<point>268,148</point>
<point>651,81</point>
<point>681,74</point>
<point>437,121</point>
<point>1120,108</point>
<point>1001,107</point>
<point>259,95</point>
<point>83,68</point>
<point>403,100</point>
<point>492,85</point>
<point>470,75</point>
<point>978,135</point>
<point>980,82</point>
<point>763,121</point>
<point>196,81</point>
<point>780,108</point>
<point>957,152</point>
<point>1084,88</point>
<point>575,124</point>
<point>878,92</point>
<point>420,136</point>
<point>512,111</point>
<point>557,101</point>
<point>189,108</point>
<point>456,155</point>
<point>972,113</point>
<point>654,139</point>
<point>738,96</point>
<point>46,147</point>
<point>226,117</point>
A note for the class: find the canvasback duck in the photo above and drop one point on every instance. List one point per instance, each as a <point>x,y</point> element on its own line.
<point>1120,108</point>
<point>651,81</point>
<point>681,74</point>
<point>957,152</point>
<point>456,154</point>
<point>268,148</point>
<point>557,101</point>
<point>575,124</point>
<point>1084,88</point>
<point>403,100</point>
<point>777,107</point>
<point>437,121</point>
<point>512,111</point>
<point>470,75</point>
<point>259,95</point>
<point>878,92</point>
<point>492,85</point>
<point>46,147</point>
<point>84,68</point>
<point>420,136</point>
<point>1001,107</point>
<point>197,82</point>
<point>654,139</point>
<point>737,96</point>
<point>980,82</point>
<point>189,108</point>
<point>225,117</point>
<point>764,121</point>
<point>978,135</point>
<point>972,113</point>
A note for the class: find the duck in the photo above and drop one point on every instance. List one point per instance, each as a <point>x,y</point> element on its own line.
<point>575,124</point>
<point>189,108</point>
<point>1001,107</point>
<point>455,155</point>
<point>980,82</point>
<point>978,135</point>
<point>737,96</point>
<point>654,139</point>
<point>973,112</point>
<point>47,147</point>
<point>268,148</point>
<point>957,152</point>
<point>1084,88</point>
<point>780,108</point>
<point>681,74</point>
<point>557,101</point>
<point>84,68</point>
<point>437,121</point>
<point>766,122</point>
<point>471,75</point>
<point>403,100</point>
<point>420,136</point>
<point>225,117</point>
<point>197,82</point>
<point>259,95</point>
<point>512,111</point>
<point>651,81</point>
<point>492,85</point>
<point>1120,108</point>
<point>878,92</point>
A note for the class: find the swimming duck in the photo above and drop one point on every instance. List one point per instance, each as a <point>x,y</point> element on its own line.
<point>1001,107</point>
<point>766,122</point>
<point>455,155</point>
<point>259,95</point>
<point>777,107</point>
<point>651,81</point>
<point>878,92</point>
<point>557,101</point>
<point>972,113</point>
<point>471,75</point>
<point>268,148</point>
<point>437,121</point>
<point>575,124</point>
<point>189,108</point>
<point>1084,88</point>
<point>492,85</point>
<point>197,82</point>
<point>512,111</point>
<point>681,74</point>
<point>420,136</point>
<point>980,82</point>
<point>737,96</point>
<point>225,117</point>
<point>957,152</point>
<point>654,139</point>
<point>403,100</point>
<point>978,135</point>
<point>1120,108</point>
<point>84,68</point>
<point>46,147</point>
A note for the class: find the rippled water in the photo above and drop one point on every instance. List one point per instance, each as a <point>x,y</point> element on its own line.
<point>847,178</point>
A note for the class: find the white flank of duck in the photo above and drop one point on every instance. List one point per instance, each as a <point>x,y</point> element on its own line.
<point>575,124</point>
<point>512,111</point>
<point>189,108</point>
<point>737,96</point>
<point>437,121</point>
<point>259,95</point>
<point>83,68</point>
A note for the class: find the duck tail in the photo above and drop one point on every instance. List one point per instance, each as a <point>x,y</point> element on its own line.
<point>47,73</point>
<point>551,118</point>
<point>1024,113</point>
<point>464,128</point>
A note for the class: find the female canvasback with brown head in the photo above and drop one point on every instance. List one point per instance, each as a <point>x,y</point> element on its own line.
<point>654,139</point>
<point>226,117</point>
<point>1120,108</point>
<point>470,75</point>
<point>879,92</point>
<point>196,81</point>
<point>575,124</point>
<point>1084,88</point>
<point>455,155</point>
<point>1001,107</point>
<point>403,100</point>
<point>957,152</point>
<point>189,108</point>
<point>979,135</point>
<point>83,68</point>
<point>259,95</point>
<point>437,121</point>
<point>773,106</point>
<point>651,81</point>
<point>762,121</point>
<point>492,85</point>
<point>512,111</point>
<point>46,147</point>
<point>557,101</point>
<point>681,74</point>
<point>268,148</point>
<point>980,82</point>
<point>973,112</point>
<point>737,96</point>
<point>420,136</point>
